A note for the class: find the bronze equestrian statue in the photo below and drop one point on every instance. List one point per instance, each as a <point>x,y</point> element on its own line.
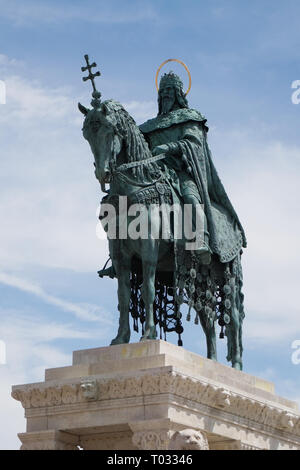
<point>166,162</point>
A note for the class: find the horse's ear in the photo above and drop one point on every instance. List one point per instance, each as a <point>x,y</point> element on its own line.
<point>82,109</point>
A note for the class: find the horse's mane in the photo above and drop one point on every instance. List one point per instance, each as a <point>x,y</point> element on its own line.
<point>137,148</point>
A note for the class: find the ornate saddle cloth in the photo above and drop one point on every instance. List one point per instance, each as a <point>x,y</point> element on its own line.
<point>157,193</point>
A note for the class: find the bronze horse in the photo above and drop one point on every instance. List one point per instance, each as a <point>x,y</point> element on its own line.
<point>123,160</point>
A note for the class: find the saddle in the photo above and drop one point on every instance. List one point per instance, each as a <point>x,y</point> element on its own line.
<point>157,193</point>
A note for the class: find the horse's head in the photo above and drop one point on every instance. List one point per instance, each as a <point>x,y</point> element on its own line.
<point>100,130</point>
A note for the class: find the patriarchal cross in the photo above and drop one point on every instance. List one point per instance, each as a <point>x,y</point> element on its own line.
<point>91,75</point>
<point>96,94</point>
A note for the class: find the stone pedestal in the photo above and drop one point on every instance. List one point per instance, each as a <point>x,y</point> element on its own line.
<point>154,395</point>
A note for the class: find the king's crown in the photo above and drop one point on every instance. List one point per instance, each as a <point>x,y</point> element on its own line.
<point>170,79</point>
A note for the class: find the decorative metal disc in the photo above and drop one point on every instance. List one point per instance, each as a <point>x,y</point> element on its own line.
<point>160,188</point>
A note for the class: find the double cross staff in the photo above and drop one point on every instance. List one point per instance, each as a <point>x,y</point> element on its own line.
<point>96,94</point>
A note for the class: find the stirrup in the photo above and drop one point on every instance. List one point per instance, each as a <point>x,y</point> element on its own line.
<point>110,272</point>
<point>107,272</point>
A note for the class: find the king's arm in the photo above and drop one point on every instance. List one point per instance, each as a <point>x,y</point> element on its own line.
<point>193,133</point>
<point>190,132</point>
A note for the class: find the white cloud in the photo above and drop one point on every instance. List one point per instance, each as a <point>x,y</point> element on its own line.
<point>19,328</point>
<point>29,101</point>
<point>30,349</point>
<point>49,192</point>
<point>86,312</point>
<point>29,353</point>
<point>11,413</point>
<point>141,111</point>
<point>262,179</point>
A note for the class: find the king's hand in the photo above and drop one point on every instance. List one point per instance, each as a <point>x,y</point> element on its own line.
<point>160,149</point>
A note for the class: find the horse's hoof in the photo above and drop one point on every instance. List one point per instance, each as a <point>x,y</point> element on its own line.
<point>120,340</point>
<point>146,338</point>
<point>212,357</point>
<point>237,366</point>
<point>149,334</point>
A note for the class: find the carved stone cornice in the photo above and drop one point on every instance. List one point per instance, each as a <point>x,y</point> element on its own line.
<point>173,383</point>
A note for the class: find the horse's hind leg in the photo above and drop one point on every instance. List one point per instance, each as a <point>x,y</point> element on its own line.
<point>149,261</point>
<point>233,339</point>
<point>123,274</point>
<point>210,334</point>
<point>234,330</point>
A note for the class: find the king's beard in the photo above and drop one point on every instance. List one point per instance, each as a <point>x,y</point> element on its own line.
<point>167,105</point>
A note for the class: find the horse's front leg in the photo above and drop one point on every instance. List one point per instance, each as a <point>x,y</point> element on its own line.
<point>149,261</point>
<point>122,267</point>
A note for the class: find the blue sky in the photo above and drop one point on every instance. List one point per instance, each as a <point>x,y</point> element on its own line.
<point>243,57</point>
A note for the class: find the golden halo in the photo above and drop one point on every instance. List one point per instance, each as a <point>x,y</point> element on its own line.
<point>180,62</point>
